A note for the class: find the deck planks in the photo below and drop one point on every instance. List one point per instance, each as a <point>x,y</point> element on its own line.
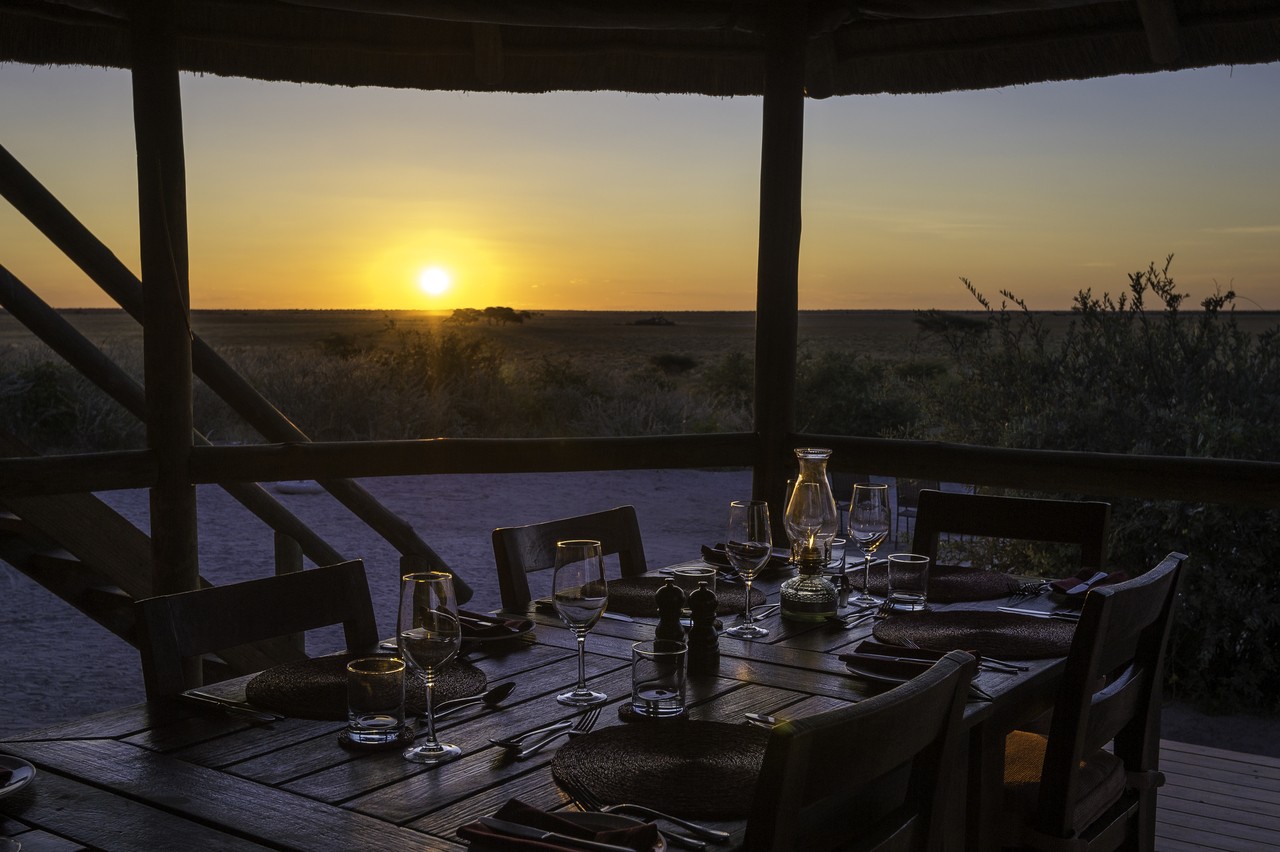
<point>1217,800</point>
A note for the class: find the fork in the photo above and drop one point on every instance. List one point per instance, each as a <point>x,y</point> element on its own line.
<point>856,620</point>
<point>588,801</point>
<point>516,740</point>
<point>1031,589</point>
<point>585,723</point>
<point>991,664</point>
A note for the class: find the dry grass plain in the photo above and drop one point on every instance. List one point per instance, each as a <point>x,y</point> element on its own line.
<point>605,337</point>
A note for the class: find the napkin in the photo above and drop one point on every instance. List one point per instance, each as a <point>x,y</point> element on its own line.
<point>716,555</point>
<point>900,661</point>
<point>1067,583</point>
<point>471,622</point>
<point>5,775</point>
<point>891,660</point>
<point>642,837</point>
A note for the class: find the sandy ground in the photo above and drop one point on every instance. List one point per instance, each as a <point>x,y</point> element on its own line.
<point>57,665</point>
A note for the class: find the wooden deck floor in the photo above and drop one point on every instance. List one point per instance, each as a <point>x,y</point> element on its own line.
<point>1219,800</point>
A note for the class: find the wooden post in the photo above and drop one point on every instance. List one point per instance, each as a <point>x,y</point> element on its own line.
<point>288,561</point>
<point>162,225</point>
<point>777,287</point>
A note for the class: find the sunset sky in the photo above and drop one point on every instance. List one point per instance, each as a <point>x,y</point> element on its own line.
<point>321,197</point>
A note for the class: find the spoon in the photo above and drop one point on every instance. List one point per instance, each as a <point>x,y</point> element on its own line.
<point>490,697</point>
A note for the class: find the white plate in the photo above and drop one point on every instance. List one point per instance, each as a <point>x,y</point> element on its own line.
<point>22,773</point>
<point>594,821</point>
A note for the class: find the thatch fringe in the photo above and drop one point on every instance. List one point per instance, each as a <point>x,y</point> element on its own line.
<point>660,46</point>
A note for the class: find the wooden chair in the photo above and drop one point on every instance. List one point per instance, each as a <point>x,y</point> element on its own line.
<point>1078,522</point>
<point>174,629</point>
<point>520,550</point>
<point>1066,791</point>
<point>872,776</point>
<point>908,499</point>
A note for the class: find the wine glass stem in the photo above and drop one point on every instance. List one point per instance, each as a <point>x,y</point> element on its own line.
<point>430,715</point>
<point>582,660</point>
<point>748,616</point>
<point>866,573</point>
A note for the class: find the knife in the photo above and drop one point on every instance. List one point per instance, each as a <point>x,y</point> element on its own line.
<point>1039,613</point>
<point>232,708</point>
<point>1084,586</point>
<point>515,829</point>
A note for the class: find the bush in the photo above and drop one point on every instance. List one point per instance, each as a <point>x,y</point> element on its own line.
<point>52,408</point>
<point>1123,379</point>
<point>672,364</point>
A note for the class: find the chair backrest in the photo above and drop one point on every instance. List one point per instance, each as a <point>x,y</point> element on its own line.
<point>173,629</point>
<point>1111,689</point>
<point>520,550</point>
<point>1078,522</point>
<point>908,491</point>
<point>871,776</point>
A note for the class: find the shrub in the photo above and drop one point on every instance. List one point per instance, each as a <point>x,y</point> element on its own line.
<point>1124,379</point>
<point>672,364</point>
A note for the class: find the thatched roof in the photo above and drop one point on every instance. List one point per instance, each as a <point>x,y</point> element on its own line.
<point>713,47</point>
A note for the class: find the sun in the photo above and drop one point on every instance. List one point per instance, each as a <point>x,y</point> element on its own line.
<point>434,281</point>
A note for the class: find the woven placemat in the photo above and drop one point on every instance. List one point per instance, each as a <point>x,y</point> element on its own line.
<point>994,634</point>
<point>693,769</point>
<point>947,583</point>
<point>317,688</point>
<point>634,596</point>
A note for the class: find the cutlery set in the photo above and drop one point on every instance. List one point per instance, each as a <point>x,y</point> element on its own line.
<point>698,835</point>
<point>861,615</point>
<point>1065,615</point>
<point>238,709</point>
<point>530,743</point>
<point>528,832</point>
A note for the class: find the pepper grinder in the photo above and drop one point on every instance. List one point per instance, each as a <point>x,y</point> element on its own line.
<point>670,601</point>
<point>704,642</point>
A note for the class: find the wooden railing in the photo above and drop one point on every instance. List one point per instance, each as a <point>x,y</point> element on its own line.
<point>44,211</point>
<point>1102,475</point>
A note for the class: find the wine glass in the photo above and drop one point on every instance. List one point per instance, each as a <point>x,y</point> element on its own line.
<point>581,595</point>
<point>427,626</point>
<point>748,545</point>
<point>869,526</point>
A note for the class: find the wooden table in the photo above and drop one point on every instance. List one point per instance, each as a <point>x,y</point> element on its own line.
<point>158,776</point>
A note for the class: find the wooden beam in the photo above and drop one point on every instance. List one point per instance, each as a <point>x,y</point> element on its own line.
<point>34,476</point>
<point>778,265</point>
<point>74,348</point>
<point>1099,475</point>
<point>321,460</point>
<point>162,225</point>
<point>98,262</point>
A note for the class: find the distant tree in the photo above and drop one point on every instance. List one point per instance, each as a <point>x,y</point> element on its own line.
<point>465,316</point>
<point>504,314</point>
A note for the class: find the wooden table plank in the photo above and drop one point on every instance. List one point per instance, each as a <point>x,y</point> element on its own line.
<point>482,764</point>
<point>210,797</point>
<point>77,815</point>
